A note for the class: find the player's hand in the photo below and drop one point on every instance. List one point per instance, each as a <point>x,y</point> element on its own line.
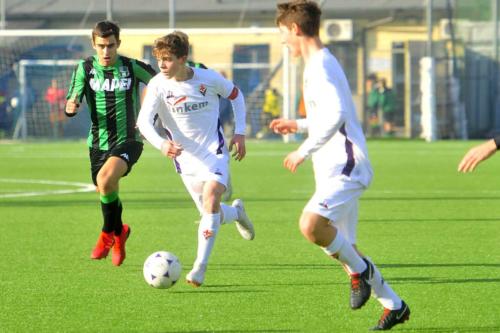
<point>72,106</point>
<point>293,160</point>
<point>283,126</point>
<point>477,154</point>
<point>171,149</point>
<point>238,142</point>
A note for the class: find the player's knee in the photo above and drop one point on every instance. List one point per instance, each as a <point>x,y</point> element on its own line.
<point>105,182</point>
<point>308,228</point>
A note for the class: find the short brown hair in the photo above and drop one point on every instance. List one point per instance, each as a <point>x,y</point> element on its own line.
<point>176,43</point>
<point>306,14</point>
<point>105,29</point>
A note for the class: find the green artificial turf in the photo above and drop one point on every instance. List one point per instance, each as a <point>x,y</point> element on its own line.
<point>434,233</point>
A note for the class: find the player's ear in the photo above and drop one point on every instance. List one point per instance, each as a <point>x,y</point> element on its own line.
<point>295,29</point>
<point>118,42</point>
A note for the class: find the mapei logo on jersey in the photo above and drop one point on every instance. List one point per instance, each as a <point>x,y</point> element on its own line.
<point>203,89</point>
<point>110,85</point>
<point>124,71</point>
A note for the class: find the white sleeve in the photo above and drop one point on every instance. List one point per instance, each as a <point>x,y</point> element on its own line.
<point>239,110</point>
<point>302,125</point>
<point>327,121</point>
<point>146,118</point>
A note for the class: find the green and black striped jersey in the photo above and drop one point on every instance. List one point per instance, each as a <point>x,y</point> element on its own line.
<point>112,95</point>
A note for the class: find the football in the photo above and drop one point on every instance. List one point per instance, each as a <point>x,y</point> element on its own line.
<point>162,270</point>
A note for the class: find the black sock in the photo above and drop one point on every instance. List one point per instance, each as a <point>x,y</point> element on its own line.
<point>110,206</point>
<point>119,222</point>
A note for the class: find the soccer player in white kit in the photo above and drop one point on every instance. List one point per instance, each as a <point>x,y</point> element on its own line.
<point>187,101</point>
<point>340,161</point>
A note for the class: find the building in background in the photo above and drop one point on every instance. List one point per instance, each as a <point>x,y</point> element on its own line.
<point>383,37</point>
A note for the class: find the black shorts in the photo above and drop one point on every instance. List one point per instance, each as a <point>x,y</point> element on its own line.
<point>129,152</point>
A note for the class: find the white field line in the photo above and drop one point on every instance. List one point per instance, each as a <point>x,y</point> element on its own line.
<point>81,187</point>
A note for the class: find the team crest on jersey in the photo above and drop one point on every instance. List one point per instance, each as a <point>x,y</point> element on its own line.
<point>124,71</point>
<point>203,89</point>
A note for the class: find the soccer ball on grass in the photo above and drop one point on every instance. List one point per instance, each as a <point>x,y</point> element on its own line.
<point>162,270</point>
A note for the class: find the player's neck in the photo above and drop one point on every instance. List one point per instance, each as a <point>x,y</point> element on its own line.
<point>310,46</point>
<point>184,74</point>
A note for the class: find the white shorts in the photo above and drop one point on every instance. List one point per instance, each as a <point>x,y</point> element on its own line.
<point>337,200</point>
<point>214,169</point>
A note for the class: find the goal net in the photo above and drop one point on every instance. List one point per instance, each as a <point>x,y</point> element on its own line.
<point>36,68</point>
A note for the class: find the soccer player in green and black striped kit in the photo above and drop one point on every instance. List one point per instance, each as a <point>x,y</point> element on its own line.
<point>110,84</point>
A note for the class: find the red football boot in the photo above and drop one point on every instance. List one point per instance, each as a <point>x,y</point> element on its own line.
<point>119,247</point>
<point>104,244</point>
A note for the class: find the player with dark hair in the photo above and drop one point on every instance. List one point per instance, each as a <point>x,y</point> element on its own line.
<point>110,84</point>
<point>342,169</point>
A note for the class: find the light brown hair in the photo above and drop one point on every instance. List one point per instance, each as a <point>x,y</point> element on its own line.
<point>175,43</point>
<point>306,14</point>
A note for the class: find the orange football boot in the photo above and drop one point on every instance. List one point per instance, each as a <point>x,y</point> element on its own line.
<point>104,244</point>
<point>119,247</point>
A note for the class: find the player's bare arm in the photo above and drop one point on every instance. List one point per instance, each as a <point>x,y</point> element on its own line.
<point>283,126</point>
<point>238,143</point>
<point>476,155</point>
<point>171,149</point>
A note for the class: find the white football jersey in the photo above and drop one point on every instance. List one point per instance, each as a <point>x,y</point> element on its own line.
<point>335,140</point>
<point>189,111</point>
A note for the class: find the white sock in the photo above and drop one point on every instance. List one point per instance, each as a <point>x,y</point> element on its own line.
<point>229,213</point>
<point>382,291</point>
<point>346,254</point>
<point>207,231</point>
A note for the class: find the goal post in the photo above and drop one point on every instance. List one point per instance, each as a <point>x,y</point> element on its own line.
<point>44,59</point>
<point>33,112</point>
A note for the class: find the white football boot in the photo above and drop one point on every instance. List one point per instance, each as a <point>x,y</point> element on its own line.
<point>243,223</point>
<point>197,275</point>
